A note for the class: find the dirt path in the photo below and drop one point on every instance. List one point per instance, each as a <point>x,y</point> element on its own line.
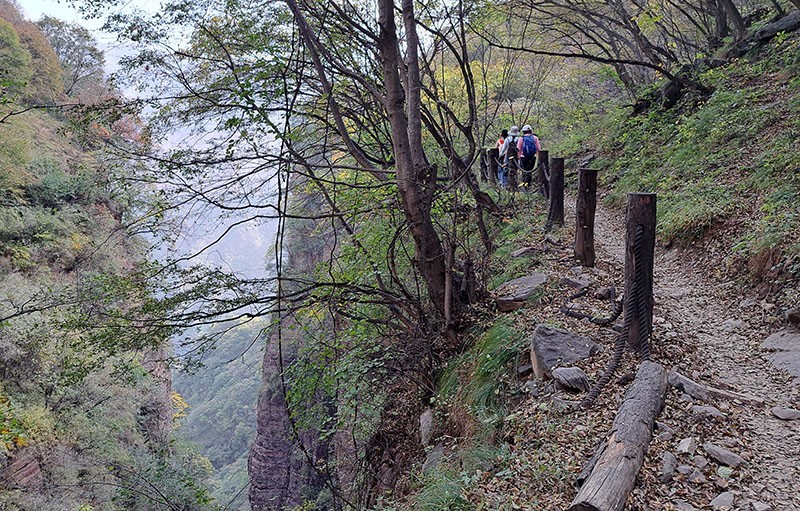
<point>712,331</point>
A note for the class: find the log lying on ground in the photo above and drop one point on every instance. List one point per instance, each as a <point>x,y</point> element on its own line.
<point>621,457</point>
<point>706,393</point>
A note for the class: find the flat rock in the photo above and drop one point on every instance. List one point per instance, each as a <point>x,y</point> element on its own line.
<point>785,345</point>
<point>723,501</point>
<point>524,252</point>
<point>524,370</point>
<point>604,293</point>
<point>697,477</point>
<point>576,282</point>
<point>760,506</point>
<point>708,411</point>
<point>434,458</point>
<point>682,505</point>
<point>664,436</point>
<point>787,414</point>
<point>668,466</point>
<point>684,469</point>
<point>425,427</point>
<point>793,316</point>
<point>513,294</point>
<point>731,325</point>
<point>700,462</point>
<point>723,455</point>
<point>687,446</point>
<point>571,378</point>
<point>552,347</point>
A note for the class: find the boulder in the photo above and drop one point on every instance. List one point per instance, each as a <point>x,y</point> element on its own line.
<point>708,411</point>
<point>697,477</point>
<point>513,294</point>
<point>434,458</point>
<point>571,378</point>
<point>552,347</point>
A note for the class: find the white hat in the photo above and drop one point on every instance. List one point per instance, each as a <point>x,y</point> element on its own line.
<point>527,128</point>
<point>513,131</point>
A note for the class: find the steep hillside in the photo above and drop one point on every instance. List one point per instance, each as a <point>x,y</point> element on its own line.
<point>725,165</point>
<point>86,412</point>
<point>727,174</point>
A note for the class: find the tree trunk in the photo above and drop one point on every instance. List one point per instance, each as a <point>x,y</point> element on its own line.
<point>621,457</point>
<point>735,17</point>
<point>413,173</point>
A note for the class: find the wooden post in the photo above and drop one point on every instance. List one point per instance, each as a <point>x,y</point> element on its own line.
<point>512,183</point>
<point>619,459</point>
<point>585,207</point>
<point>555,213</point>
<point>544,173</point>
<point>492,155</point>
<point>641,211</point>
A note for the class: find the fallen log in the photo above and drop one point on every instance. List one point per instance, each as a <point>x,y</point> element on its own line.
<point>706,393</point>
<point>614,473</point>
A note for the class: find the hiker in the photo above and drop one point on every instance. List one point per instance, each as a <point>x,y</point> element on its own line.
<point>528,146</point>
<point>500,156</point>
<point>509,156</point>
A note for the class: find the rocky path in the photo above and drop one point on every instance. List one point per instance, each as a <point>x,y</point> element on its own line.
<point>712,331</point>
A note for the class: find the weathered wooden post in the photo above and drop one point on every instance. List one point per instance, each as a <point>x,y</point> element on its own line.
<point>544,174</point>
<point>492,155</point>
<point>513,171</point>
<point>555,213</point>
<point>639,249</point>
<point>585,207</point>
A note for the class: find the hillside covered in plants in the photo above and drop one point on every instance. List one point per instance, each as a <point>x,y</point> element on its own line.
<point>387,355</point>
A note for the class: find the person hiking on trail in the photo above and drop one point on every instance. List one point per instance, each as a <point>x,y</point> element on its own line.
<point>509,155</point>
<point>527,147</point>
<point>500,155</point>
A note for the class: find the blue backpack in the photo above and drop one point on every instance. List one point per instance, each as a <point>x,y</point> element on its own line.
<point>528,148</point>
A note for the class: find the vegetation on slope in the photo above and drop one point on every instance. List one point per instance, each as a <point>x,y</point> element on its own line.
<point>724,165</point>
<point>85,411</point>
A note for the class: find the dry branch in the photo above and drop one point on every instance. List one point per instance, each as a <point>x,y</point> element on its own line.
<point>706,393</point>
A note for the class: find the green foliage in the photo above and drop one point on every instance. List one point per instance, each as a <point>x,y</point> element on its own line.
<point>55,187</point>
<point>478,379</point>
<point>222,397</point>
<point>726,158</point>
<point>12,431</point>
<point>15,64</point>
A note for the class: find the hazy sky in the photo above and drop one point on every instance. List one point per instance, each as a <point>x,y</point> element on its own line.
<point>35,9</point>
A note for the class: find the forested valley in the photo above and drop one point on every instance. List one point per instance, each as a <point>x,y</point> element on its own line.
<point>263,258</point>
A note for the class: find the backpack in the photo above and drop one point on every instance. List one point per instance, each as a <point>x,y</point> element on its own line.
<point>511,151</point>
<point>528,148</point>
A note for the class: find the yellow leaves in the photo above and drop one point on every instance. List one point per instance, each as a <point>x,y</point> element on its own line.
<point>179,407</point>
<point>12,432</point>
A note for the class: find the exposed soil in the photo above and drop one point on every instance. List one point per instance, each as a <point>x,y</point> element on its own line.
<point>709,327</point>
<point>718,328</point>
